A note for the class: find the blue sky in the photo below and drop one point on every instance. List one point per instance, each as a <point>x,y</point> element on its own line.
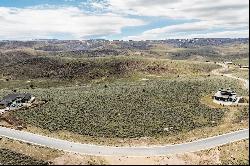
<point>28,3</point>
<point>122,19</point>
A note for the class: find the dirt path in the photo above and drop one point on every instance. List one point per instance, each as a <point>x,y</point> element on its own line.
<point>225,68</point>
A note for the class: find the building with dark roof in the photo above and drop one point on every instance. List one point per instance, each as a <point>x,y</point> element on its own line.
<point>245,67</point>
<point>225,95</point>
<point>8,100</point>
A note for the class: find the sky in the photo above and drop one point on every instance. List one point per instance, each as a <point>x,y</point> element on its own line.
<point>123,19</point>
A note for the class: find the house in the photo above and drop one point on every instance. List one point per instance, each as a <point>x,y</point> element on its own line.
<point>15,100</point>
<point>228,63</point>
<point>244,67</point>
<point>225,95</point>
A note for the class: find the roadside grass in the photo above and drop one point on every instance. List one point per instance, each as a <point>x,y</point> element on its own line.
<point>230,154</point>
<point>236,153</point>
<point>242,115</point>
<point>8,157</point>
<point>19,153</point>
<point>195,134</point>
<point>34,151</point>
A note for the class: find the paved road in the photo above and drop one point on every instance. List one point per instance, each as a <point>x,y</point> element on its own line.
<point>124,151</point>
<point>129,151</point>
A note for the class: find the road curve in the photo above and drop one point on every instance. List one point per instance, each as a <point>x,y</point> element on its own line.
<point>97,150</point>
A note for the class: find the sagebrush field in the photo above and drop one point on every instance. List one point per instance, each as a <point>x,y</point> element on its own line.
<point>147,108</point>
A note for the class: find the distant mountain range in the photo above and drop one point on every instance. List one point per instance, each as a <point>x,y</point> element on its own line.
<point>74,45</point>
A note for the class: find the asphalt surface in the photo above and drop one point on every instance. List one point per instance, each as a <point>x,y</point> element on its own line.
<point>124,151</point>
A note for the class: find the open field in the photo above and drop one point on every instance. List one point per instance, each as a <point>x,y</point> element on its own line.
<point>139,82</point>
<point>152,105</point>
<point>122,98</point>
<point>238,72</point>
<point>18,153</point>
<point>228,52</point>
<point>96,68</point>
<point>104,108</point>
<point>244,62</point>
<point>236,153</point>
<point>230,154</point>
<point>60,72</point>
<point>242,73</point>
<point>8,157</point>
<point>113,111</point>
<point>36,152</point>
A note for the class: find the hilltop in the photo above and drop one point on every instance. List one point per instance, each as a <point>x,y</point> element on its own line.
<point>196,49</point>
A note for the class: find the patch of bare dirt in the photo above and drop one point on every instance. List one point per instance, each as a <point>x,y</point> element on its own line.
<point>160,160</point>
<point>77,159</point>
<point>179,159</point>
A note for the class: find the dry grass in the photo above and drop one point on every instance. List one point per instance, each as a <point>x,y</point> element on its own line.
<point>226,125</point>
<point>78,159</point>
<point>236,153</point>
<point>37,152</point>
<point>55,157</point>
<point>237,71</point>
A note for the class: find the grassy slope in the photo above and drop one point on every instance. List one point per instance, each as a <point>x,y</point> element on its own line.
<point>113,111</point>
<point>94,68</point>
<point>43,72</point>
<point>236,153</point>
<point>213,53</point>
<point>153,104</point>
<point>238,72</point>
<point>8,157</point>
<point>244,61</point>
<point>20,153</point>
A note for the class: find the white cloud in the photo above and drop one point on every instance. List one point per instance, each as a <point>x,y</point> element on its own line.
<point>227,15</point>
<point>191,30</point>
<point>183,35</point>
<point>195,9</point>
<point>107,17</point>
<point>39,22</point>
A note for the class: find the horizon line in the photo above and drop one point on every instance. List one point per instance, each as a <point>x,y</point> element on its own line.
<point>125,40</point>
